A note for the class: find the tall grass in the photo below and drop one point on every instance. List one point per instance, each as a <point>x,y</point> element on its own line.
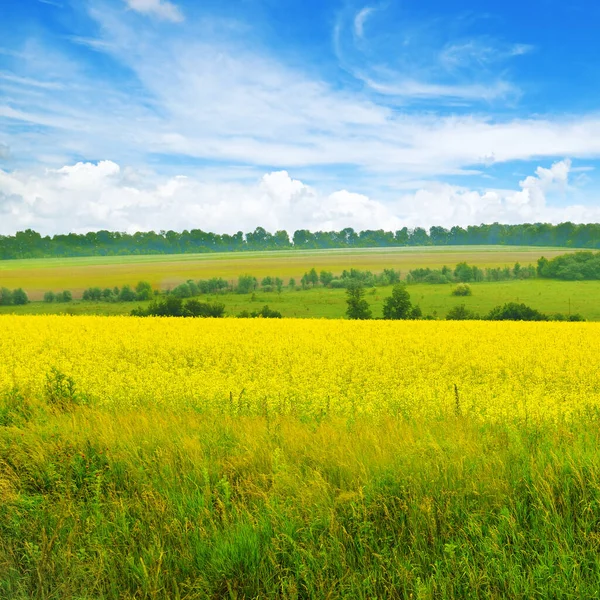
<point>97,503</point>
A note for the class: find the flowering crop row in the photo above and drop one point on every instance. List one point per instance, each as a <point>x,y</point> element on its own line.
<point>490,371</point>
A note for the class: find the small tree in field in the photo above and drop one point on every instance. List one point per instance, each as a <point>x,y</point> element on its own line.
<point>398,305</point>
<point>462,289</point>
<point>358,307</point>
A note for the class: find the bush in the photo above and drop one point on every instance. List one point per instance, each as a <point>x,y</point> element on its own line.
<point>49,297</point>
<point>246,284</point>
<point>265,313</point>
<point>461,313</point>
<point>143,291</point>
<point>19,297</point>
<point>64,296</point>
<point>182,291</point>
<point>172,306</point>
<point>6,298</point>
<point>93,294</point>
<point>515,312</point>
<point>126,294</point>
<point>462,289</point>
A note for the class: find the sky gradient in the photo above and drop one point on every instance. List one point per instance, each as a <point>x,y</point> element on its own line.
<point>148,114</point>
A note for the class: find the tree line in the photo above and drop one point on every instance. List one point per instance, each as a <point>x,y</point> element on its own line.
<point>31,244</point>
<point>399,306</point>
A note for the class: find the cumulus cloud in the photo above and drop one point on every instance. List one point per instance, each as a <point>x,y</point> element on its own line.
<point>88,196</point>
<point>161,9</point>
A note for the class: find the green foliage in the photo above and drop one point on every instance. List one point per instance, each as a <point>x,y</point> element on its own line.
<point>165,504</point>
<point>577,266</point>
<point>461,313</point>
<point>15,410</point>
<point>462,289</point>
<point>358,307</point>
<point>6,298</point>
<point>182,291</point>
<point>127,294</point>
<point>61,391</point>
<point>174,306</point>
<point>143,291</point>
<point>19,297</point>
<point>246,284</point>
<point>265,313</point>
<point>93,294</point>
<point>514,311</point>
<point>398,305</point>
<point>64,296</point>
<point>49,297</point>
<point>325,277</point>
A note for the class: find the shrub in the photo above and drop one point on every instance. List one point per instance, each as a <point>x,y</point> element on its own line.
<point>515,312</point>
<point>462,289</point>
<point>461,313</point>
<point>49,297</point>
<point>19,297</point>
<point>246,284</point>
<point>143,291</point>
<point>126,294</point>
<point>6,297</point>
<point>64,296</point>
<point>265,313</point>
<point>182,291</point>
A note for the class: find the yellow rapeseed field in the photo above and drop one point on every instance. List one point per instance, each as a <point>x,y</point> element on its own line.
<point>537,371</point>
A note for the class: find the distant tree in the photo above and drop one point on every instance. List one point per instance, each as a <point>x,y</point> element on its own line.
<point>108,295</point>
<point>313,277</point>
<point>463,272</point>
<point>126,294</point>
<point>292,283</point>
<point>358,307</point>
<point>462,289</point>
<point>325,277</point>
<point>19,297</point>
<point>64,296</point>
<point>6,297</point>
<point>49,297</point>
<point>398,305</point>
<point>246,284</point>
<point>461,313</point>
<point>182,291</point>
<point>143,291</point>
<point>515,312</point>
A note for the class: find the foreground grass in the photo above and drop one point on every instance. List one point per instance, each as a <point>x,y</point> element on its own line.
<point>37,276</point>
<point>98,504</point>
<point>548,296</point>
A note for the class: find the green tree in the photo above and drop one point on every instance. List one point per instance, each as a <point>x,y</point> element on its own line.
<point>19,297</point>
<point>358,307</point>
<point>49,297</point>
<point>461,313</point>
<point>143,291</point>
<point>398,305</point>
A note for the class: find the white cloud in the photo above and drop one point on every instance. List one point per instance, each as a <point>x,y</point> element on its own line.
<point>88,196</point>
<point>163,9</point>
<point>360,19</point>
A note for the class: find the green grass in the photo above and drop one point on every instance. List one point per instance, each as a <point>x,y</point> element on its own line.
<point>548,296</point>
<point>96,504</point>
<point>37,276</point>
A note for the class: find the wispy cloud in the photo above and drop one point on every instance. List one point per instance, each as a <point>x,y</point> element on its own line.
<point>360,19</point>
<point>162,9</point>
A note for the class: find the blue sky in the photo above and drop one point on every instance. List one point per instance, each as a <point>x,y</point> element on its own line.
<point>139,114</point>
